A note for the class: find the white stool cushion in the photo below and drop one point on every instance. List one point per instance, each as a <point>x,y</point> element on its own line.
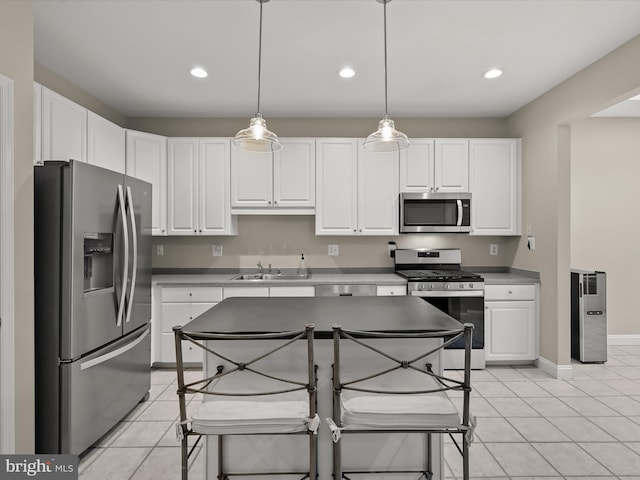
<point>284,413</point>
<point>370,411</point>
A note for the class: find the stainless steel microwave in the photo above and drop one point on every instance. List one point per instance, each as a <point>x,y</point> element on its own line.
<point>435,212</point>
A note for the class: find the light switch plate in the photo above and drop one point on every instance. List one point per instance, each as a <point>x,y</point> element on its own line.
<point>493,249</point>
<point>159,250</point>
<point>334,250</point>
<point>216,250</point>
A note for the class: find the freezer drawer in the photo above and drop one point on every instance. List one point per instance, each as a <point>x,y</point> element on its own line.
<point>99,390</point>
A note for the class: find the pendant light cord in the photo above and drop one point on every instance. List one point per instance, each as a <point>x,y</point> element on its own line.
<point>386,112</point>
<point>259,54</point>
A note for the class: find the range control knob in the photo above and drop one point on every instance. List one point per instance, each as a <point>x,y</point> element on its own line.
<point>447,286</point>
<point>461,285</point>
<point>431,286</point>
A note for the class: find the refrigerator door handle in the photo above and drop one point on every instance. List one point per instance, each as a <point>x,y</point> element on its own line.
<point>114,353</point>
<point>125,234</point>
<point>134,242</point>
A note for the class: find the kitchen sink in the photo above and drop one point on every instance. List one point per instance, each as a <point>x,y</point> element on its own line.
<point>269,276</point>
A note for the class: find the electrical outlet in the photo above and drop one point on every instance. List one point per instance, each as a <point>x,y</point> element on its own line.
<point>531,243</point>
<point>493,249</point>
<point>159,250</point>
<point>529,230</point>
<point>334,250</point>
<point>216,250</point>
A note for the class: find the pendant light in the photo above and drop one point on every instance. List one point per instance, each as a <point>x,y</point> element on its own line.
<point>258,138</point>
<point>386,138</point>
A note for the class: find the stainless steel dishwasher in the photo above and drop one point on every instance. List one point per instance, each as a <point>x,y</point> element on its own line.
<point>346,290</point>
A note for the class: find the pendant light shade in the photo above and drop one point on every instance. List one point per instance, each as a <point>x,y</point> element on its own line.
<point>258,138</point>
<point>386,138</point>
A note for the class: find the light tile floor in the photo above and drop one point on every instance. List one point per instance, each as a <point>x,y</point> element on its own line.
<point>530,427</point>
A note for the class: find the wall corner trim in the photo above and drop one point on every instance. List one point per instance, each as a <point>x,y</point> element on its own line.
<point>561,372</point>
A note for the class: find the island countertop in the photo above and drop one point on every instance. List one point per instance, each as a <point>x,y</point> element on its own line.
<point>260,314</point>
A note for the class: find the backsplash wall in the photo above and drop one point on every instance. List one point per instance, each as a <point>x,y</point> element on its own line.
<point>279,241</point>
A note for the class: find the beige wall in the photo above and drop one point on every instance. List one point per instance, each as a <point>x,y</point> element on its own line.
<point>546,180</point>
<point>280,240</point>
<point>322,127</point>
<point>64,87</point>
<point>16,62</point>
<point>605,168</point>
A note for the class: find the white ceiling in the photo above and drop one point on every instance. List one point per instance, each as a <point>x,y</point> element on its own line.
<point>135,55</point>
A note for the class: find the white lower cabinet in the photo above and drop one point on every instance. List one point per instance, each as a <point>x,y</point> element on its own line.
<point>178,306</point>
<point>510,323</point>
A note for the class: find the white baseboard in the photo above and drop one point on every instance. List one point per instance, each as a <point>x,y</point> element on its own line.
<point>561,372</point>
<point>623,339</point>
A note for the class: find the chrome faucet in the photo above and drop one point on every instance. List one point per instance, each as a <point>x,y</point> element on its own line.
<point>260,267</point>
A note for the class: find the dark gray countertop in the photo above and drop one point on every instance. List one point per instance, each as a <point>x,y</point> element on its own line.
<point>395,314</point>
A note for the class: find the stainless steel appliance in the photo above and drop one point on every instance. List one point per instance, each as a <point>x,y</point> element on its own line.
<point>92,302</point>
<point>345,290</point>
<point>435,212</point>
<point>435,276</point>
<point>589,316</point>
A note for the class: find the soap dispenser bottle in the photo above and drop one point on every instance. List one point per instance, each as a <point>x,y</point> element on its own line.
<point>302,266</point>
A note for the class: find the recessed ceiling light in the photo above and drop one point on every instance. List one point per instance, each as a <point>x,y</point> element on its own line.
<point>347,72</point>
<point>493,73</point>
<point>199,72</point>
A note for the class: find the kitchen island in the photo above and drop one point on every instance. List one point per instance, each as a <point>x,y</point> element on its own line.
<point>387,314</point>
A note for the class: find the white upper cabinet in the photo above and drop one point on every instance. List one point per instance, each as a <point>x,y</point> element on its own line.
<point>435,165</point>
<point>64,128</point>
<point>147,160</point>
<point>106,143</point>
<point>278,183</point>
<point>416,166</point>
<point>336,186</point>
<point>357,191</point>
<point>378,189</point>
<point>495,186</point>
<point>451,169</point>
<point>214,179</point>
<point>198,179</point>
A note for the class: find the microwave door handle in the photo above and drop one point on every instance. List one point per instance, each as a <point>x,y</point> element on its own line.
<point>125,235</point>
<point>134,244</point>
<point>459,223</point>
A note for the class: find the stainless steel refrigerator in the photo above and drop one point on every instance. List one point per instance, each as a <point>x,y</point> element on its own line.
<point>92,302</point>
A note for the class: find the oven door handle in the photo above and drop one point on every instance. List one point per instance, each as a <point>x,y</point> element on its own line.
<point>459,223</point>
<point>448,293</point>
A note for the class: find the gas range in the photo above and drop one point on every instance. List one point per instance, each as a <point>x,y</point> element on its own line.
<point>435,270</point>
<point>435,276</point>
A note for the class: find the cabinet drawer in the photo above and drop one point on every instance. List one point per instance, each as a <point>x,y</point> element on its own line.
<point>246,292</point>
<point>181,313</point>
<point>391,290</point>
<point>509,292</point>
<point>192,294</point>
<point>303,291</point>
<point>190,353</point>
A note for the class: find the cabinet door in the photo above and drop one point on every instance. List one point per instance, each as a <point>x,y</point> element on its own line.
<point>147,160</point>
<point>37,123</point>
<point>510,330</point>
<point>106,143</point>
<point>378,190</point>
<point>294,173</point>
<point>251,179</point>
<point>214,171</point>
<point>495,186</point>
<point>64,128</point>
<point>417,166</point>
<point>336,183</point>
<point>182,188</point>
<point>451,166</point>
